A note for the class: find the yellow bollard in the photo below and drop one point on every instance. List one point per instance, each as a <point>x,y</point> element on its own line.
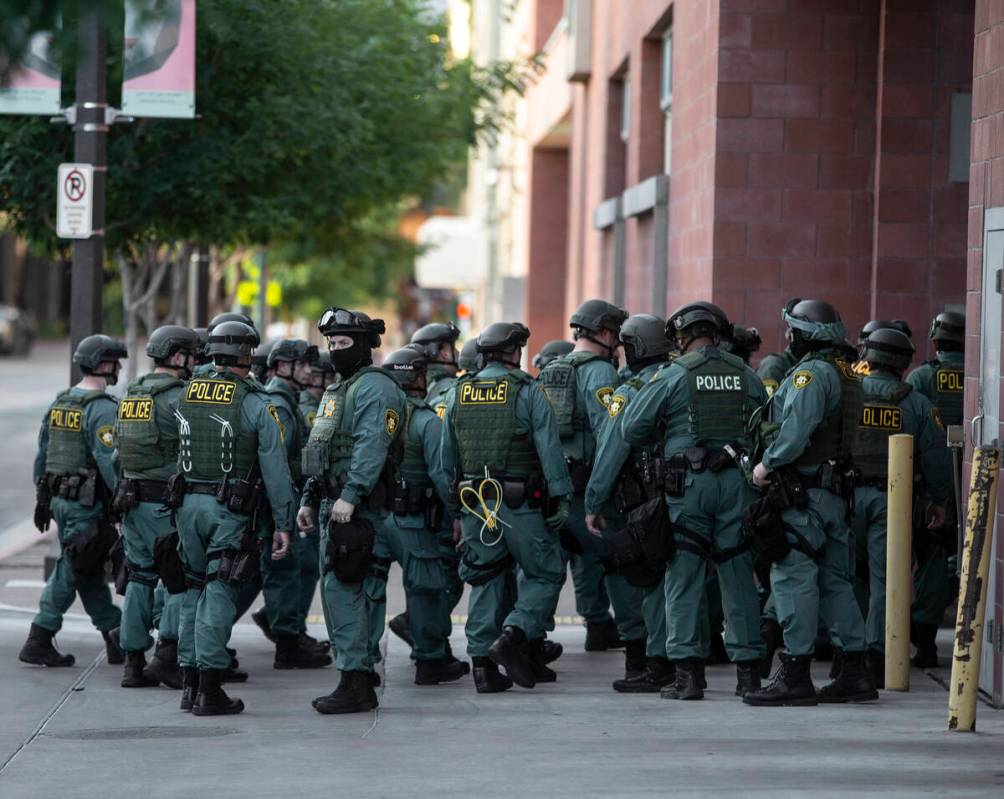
<point>973,590</point>
<point>899,563</point>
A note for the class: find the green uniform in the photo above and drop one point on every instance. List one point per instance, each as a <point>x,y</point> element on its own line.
<point>357,420</point>
<point>76,434</point>
<point>308,547</point>
<point>816,423</point>
<point>308,403</point>
<point>501,421</point>
<point>702,401</point>
<point>580,386</point>
<point>228,429</point>
<point>774,367</point>
<point>613,456</point>
<point>891,408</point>
<point>146,434</point>
<point>420,492</point>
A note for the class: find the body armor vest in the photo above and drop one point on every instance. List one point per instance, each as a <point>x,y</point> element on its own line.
<point>881,417</point>
<point>278,388</point>
<point>145,434</point>
<point>308,409</point>
<point>834,439</point>
<point>488,434</point>
<point>558,381</point>
<point>67,452</point>
<point>411,466</point>
<point>947,382</point>
<point>718,407</point>
<point>214,445</point>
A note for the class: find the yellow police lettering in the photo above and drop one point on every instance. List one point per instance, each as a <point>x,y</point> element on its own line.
<point>719,383</point>
<point>880,417</point>
<point>65,419</point>
<point>136,410</point>
<point>484,393</point>
<point>213,392</point>
<point>949,380</point>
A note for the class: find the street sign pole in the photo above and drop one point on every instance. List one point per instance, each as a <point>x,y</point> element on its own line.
<point>90,147</point>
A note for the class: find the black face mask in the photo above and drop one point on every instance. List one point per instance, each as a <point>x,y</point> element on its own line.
<point>351,359</point>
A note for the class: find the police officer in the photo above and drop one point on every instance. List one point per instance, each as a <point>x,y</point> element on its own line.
<point>620,473</point>
<point>580,386</point>
<point>321,375</point>
<point>891,407</point>
<point>232,459</point>
<point>775,365</point>
<point>146,436</point>
<point>76,479</point>
<point>861,364</point>
<point>743,343</point>
<point>550,351</point>
<point>941,381</point>
<point>500,440</point>
<point>283,619</point>
<point>201,356</point>
<point>259,362</point>
<point>206,364</point>
<point>815,412</point>
<point>359,418</point>
<point>699,405</point>
<point>438,341</point>
<point>410,534</point>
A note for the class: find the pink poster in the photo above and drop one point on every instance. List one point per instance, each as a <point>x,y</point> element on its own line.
<point>33,88</point>
<point>159,69</point>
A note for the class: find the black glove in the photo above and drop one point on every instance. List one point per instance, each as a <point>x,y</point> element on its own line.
<point>42,516</point>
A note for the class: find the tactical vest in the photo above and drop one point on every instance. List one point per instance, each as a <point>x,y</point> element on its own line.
<point>436,396</point>
<point>411,466</point>
<point>280,389</point>
<point>947,382</point>
<point>558,381</point>
<point>146,435</point>
<point>881,417</point>
<point>718,405</point>
<point>308,408</point>
<point>834,439</point>
<point>488,434</point>
<point>67,451</point>
<point>214,444</point>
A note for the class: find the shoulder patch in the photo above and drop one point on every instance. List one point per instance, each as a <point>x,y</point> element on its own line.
<point>846,368</point>
<point>861,369</point>
<point>801,378</point>
<point>391,420</point>
<point>616,405</point>
<point>106,435</point>
<point>936,415</point>
<point>604,395</point>
<point>311,415</point>
<point>275,418</point>
<point>441,410</point>
<point>771,386</point>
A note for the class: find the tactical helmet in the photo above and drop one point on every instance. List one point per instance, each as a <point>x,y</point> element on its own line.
<point>322,364</point>
<point>230,342</point>
<point>813,324</point>
<point>743,342</point>
<point>949,327</point>
<point>200,353</point>
<point>407,365</point>
<point>432,336</point>
<point>503,336</point>
<point>340,321</point>
<point>232,316</point>
<point>883,324</point>
<point>550,351</point>
<point>96,349</point>
<point>259,358</point>
<point>643,337</point>
<point>291,349</point>
<point>596,315</point>
<point>168,339</point>
<point>890,348</point>
<point>468,359</point>
<point>699,318</point>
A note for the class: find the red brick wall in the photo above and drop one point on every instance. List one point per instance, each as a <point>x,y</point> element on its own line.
<point>548,246</point>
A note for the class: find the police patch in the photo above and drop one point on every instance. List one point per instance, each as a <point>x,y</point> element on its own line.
<point>801,378</point>
<point>771,386</point>
<point>212,392</point>
<point>617,404</point>
<point>136,410</point>
<point>106,435</point>
<point>881,417</point>
<point>391,421</point>
<point>441,410</point>
<point>329,408</point>
<point>604,395</point>
<point>275,418</point>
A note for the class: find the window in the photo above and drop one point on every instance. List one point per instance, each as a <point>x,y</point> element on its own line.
<point>666,99</point>
<point>625,129</point>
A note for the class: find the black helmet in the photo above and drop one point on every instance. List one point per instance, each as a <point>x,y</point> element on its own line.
<point>340,321</point>
<point>97,349</point>
<point>890,348</point>
<point>407,365</point>
<point>502,337</point>
<point>168,339</point>
<point>468,359</point>
<point>259,358</point>
<point>743,342</point>
<point>813,325</point>
<point>200,353</point>
<point>949,328</point>
<point>232,316</point>
<point>644,338</point>
<point>230,342</point>
<point>699,318</point>
<point>291,349</point>
<point>596,315</point>
<point>431,336</point>
<point>815,312</point>
<point>550,351</point>
<point>884,324</point>
<point>322,364</point>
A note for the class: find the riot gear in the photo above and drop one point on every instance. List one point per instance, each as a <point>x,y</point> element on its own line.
<point>948,331</point>
<point>698,320</point>
<point>165,341</point>
<point>95,350</point>
<point>291,350</point>
<point>502,337</point>
<point>884,324</point>
<point>407,366</point>
<point>468,359</point>
<point>813,325</point>
<point>595,316</point>
<point>550,351</point>
<point>200,353</point>
<point>888,348</point>
<point>743,342</point>
<point>644,339</point>
<point>365,335</point>
<point>431,337</point>
<point>232,342</point>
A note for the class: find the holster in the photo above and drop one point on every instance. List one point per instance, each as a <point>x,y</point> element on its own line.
<point>43,500</point>
<point>175,494</point>
<point>640,551</point>
<point>434,512</point>
<point>88,551</point>
<point>350,550</point>
<point>676,475</point>
<point>126,496</point>
<point>764,530</point>
<point>167,563</point>
<point>120,567</point>
<point>87,492</point>
<point>243,496</point>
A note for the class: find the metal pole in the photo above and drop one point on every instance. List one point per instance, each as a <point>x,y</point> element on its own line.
<point>198,287</point>
<point>90,147</point>
<point>898,563</point>
<point>262,287</point>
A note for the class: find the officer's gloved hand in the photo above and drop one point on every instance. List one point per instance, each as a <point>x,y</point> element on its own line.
<point>42,517</point>
<point>342,511</point>
<point>557,521</point>
<point>305,519</point>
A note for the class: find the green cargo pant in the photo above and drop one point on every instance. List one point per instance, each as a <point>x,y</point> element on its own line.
<point>653,611</point>
<point>141,527</point>
<point>451,562</point>
<point>63,584</point>
<point>870,509</point>
<point>710,510</point>
<point>166,616</point>
<point>207,616</point>
<point>416,549</point>
<point>307,551</point>
<point>933,580</point>
<point>535,549</point>
<point>280,587</point>
<point>806,591</point>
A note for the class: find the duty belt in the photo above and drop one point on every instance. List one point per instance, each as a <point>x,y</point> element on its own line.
<point>202,488</point>
<point>150,490</point>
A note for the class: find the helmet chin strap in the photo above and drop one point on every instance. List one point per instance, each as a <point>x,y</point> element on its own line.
<point>611,350</point>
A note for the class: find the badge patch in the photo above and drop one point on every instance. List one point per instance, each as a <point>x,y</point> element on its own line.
<point>390,421</point>
<point>771,386</point>
<point>278,422</point>
<point>604,395</point>
<point>106,435</point>
<point>801,378</point>
<point>617,404</point>
<point>441,410</point>
<point>329,408</point>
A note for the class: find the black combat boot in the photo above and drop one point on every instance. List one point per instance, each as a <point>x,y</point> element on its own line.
<point>233,672</point>
<point>509,651</point>
<point>189,686</point>
<point>40,651</point>
<point>635,660</point>
<point>689,682</point>
<point>308,641</point>
<point>747,676</point>
<point>602,635</point>
<point>792,685</point>
<point>487,677</point>
<point>823,648</point>
<point>212,700</point>
<point>451,659</point>
<point>853,683</point>
<point>133,676</point>
<point>434,672</point>
<point>400,625</point>
<point>658,673</point>
<point>773,637</point>
<point>550,650</point>
<point>836,661</point>
<point>535,653</point>
<point>163,666</point>
<point>113,652</point>
<point>876,665</point>
<point>260,617</point>
<point>290,655</point>
<point>354,694</point>
<point>923,636</point>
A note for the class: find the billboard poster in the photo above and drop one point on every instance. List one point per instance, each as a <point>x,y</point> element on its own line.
<point>159,61</point>
<point>33,86</point>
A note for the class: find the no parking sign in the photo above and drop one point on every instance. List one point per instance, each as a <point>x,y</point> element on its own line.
<point>75,203</point>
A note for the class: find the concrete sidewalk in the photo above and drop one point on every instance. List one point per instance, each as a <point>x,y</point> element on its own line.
<point>75,731</point>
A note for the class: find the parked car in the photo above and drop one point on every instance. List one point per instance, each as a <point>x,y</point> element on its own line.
<point>17,330</point>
